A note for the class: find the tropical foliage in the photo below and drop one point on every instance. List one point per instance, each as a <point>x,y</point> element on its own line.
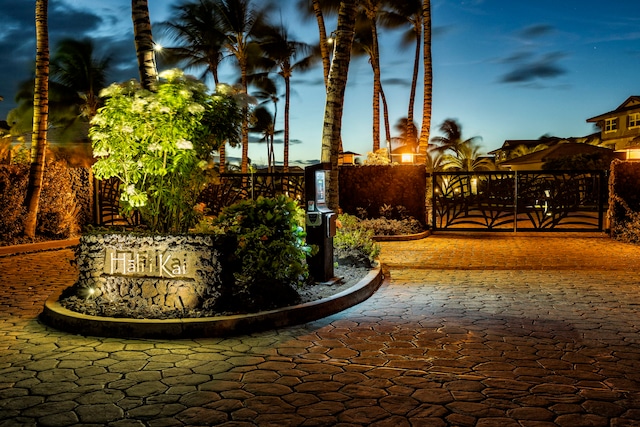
<point>353,242</point>
<point>452,152</point>
<point>75,80</point>
<point>159,145</point>
<point>270,254</point>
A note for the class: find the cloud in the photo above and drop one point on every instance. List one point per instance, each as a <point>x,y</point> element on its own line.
<point>66,20</point>
<point>394,81</point>
<point>527,67</point>
<point>536,31</point>
<point>441,31</point>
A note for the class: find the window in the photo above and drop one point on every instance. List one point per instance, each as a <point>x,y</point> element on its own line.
<point>634,120</point>
<point>611,125</point>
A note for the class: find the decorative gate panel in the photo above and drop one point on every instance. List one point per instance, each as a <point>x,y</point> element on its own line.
<point>519,201</point>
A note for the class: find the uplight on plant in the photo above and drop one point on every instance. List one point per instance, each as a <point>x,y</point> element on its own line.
<point>160,145</point>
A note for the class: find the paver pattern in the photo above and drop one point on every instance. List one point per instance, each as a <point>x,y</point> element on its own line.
<point>470,330</point>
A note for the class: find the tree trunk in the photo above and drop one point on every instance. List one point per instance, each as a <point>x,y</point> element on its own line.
<point>324,51</point>
<point>40,116</point>
<point>411,134</point>
<point>287,99</point>
<point>375,63</point>
<point>387,126</point>
<point>244,163</point>
<point>335,95</point>
<point>144,44</point>
<point>428,78</point>
<point>223,157</point>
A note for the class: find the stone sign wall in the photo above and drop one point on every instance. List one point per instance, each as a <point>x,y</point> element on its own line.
<point>150,273</point>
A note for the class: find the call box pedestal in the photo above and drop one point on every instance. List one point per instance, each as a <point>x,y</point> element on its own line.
<point>320,222</point>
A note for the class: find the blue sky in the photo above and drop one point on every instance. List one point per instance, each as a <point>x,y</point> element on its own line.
<point>503,69</point>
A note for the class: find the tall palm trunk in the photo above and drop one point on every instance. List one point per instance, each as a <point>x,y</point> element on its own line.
<point>335,94</point>
<point>242,59</point>
<point>144,44</point>
<point>40,116</point>
<point>387,126</point>
<point>428,78</point>
<point>223,157</point>
<point>324,50</point>
<point>287,100</point>
<point>414,84</point>
<point>375,63</point>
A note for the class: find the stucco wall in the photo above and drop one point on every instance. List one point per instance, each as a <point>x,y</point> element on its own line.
<point>371,187</point>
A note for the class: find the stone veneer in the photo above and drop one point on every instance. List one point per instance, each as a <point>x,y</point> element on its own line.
<point>143,272</point>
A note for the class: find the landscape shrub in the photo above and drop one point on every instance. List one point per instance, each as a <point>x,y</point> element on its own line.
<point>353,243</point>
<point>269,260</point>
<point>160,146</point>
<point>627,226</point>
<point>393,221</point>
<point>58,210</point>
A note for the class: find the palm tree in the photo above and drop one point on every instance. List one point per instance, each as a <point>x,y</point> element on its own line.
<point>428,76</point>
<point>195,29</point>
<point>434,161</point>
<point>366,43</point>
<point>40,114</point>
<point>143,39</point>
<point>239,20</point>
<point>409,12</point>
<point>75,67</point>
<point>264,123</point>
<point>523,150</point>
<point>200,40</point>
<point>76,78</point>
<point>467,159</point>
<point>318,9</point>
<point>371,9</point>
<point>287,55</point>
<point>335,94</point>
<point>452,139</point>
<point>408,134</point>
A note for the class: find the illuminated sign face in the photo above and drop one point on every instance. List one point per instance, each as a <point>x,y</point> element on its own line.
<point>320,187</point>
<point>149,262</point>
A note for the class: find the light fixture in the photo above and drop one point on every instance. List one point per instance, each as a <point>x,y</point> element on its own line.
<point>407,158</point>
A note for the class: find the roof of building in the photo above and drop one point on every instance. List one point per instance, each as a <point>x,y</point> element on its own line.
<point>631,103</point>
<point>557,151</point>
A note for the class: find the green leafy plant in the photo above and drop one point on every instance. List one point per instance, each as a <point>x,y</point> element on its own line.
<point>160,145</point>
<point>353,244</point>
<point>392,227</point>
<point>270,256</point>
<point>392,221</point>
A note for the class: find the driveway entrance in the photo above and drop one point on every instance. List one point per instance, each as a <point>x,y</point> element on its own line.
<point>519,201</point>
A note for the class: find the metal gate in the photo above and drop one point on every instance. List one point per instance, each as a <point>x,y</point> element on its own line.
<point>519,201</point>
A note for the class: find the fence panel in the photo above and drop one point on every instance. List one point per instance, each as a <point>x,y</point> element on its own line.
<point>519,201</point>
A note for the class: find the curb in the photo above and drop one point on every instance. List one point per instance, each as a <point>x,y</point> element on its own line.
<point>402,237</point>
<point>36,247</point>
<point>58,317</point>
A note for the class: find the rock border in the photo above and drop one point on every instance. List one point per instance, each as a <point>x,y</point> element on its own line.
<point>58,317</point>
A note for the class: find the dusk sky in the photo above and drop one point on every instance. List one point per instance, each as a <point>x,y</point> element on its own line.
<point>503,69</point>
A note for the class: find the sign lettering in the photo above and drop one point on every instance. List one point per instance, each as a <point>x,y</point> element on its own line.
<point>149,262</point>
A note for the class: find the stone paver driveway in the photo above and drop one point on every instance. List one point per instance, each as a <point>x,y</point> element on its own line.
<point>487,330</point>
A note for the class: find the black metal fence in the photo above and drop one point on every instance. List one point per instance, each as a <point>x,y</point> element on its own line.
<point>464,201</point>
<point>519,201</point>
<point>230,188</point>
